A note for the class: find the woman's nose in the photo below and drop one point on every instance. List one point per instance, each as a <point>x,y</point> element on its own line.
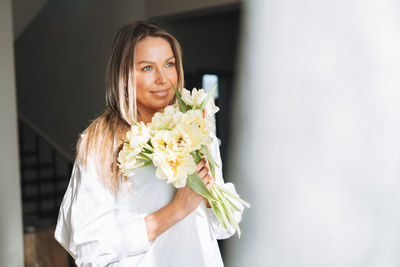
<point>161,78</point>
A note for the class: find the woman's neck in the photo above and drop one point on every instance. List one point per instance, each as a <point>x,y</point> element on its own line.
<point>145,114</point>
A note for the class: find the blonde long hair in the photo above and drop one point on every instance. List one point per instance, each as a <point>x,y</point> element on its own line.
<point>97,140</point>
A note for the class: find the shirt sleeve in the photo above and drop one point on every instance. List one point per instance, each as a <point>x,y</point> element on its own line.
<point>219,230</point>
<point>91,227</point>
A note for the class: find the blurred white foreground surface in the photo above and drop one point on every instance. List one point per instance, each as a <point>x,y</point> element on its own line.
<point>316,136</point>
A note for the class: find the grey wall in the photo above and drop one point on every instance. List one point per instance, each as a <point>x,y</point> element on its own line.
<point>11,241</point>
<point>24,11</point>
<point>209,41</point>
<point>60,63</point>
<point>156,8</point>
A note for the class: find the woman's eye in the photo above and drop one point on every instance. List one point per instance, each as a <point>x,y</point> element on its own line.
<point>170,64</point>
<point>147,68</point>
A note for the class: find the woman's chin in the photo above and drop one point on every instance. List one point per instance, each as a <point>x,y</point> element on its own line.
<point>161,105</point>
<point>155,103</point>
<point>162,102</point>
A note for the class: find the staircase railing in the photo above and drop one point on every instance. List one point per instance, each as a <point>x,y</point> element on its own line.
<point>45,174</point>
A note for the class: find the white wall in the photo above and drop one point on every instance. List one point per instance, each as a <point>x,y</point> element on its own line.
<point>317,147</point>
<point>11,240</point>
<point>60,64</point>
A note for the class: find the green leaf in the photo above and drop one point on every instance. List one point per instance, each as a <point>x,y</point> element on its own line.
<point>140,156</point>
<point>146,150</point>
<point>222,213</point>
<point>178,94</point>
<point>148,155</point>
<point>217,213</point>
<point>199,154</point>
<point>227,211</point>
<point>148,163</point>
<point>232,205</point>
<point>142,164</point>
<point>204,149</point>
<point>134,122</point>
<point>205,101</point>
<point>215,191</point>
<point>235,196</point>
<point>197,185</point>
<point>195,156</point>
<point>165,128</point>
<point>212,167</point>
<point>182,105</point>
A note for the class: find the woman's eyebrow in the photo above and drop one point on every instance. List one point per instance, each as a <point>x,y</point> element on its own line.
<point>151,62</point>
<point>145,61</point>
<point>171,57</point>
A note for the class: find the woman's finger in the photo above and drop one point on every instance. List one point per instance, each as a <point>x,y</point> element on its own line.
<point>208,178</point>
<point>203,172</point>
<point>210,182</point>
<point>200,165</point>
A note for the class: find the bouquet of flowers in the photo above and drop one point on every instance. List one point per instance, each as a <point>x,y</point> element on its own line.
<point>174,142</point>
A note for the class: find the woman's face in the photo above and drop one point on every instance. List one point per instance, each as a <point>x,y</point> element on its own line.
<point>156,74</point>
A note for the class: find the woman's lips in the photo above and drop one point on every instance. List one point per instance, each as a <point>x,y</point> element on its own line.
<point>160,93</point>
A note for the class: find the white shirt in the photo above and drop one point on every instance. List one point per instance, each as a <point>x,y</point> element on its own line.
<point>99,228</point>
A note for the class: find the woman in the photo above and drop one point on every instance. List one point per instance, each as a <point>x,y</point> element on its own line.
<point>137,220</point>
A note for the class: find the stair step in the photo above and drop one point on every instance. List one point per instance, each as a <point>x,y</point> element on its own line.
<point>44,172</point>
<point>34,223</point>
<point>28,153</point>
<point>50,213</point>
<point>44,196</point>
<point>44,180</point>
<point>35,166</point>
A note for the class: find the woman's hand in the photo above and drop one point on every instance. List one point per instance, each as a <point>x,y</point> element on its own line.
<point>189,200</point>
<point>203,170</point>
<point>185,201</point>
